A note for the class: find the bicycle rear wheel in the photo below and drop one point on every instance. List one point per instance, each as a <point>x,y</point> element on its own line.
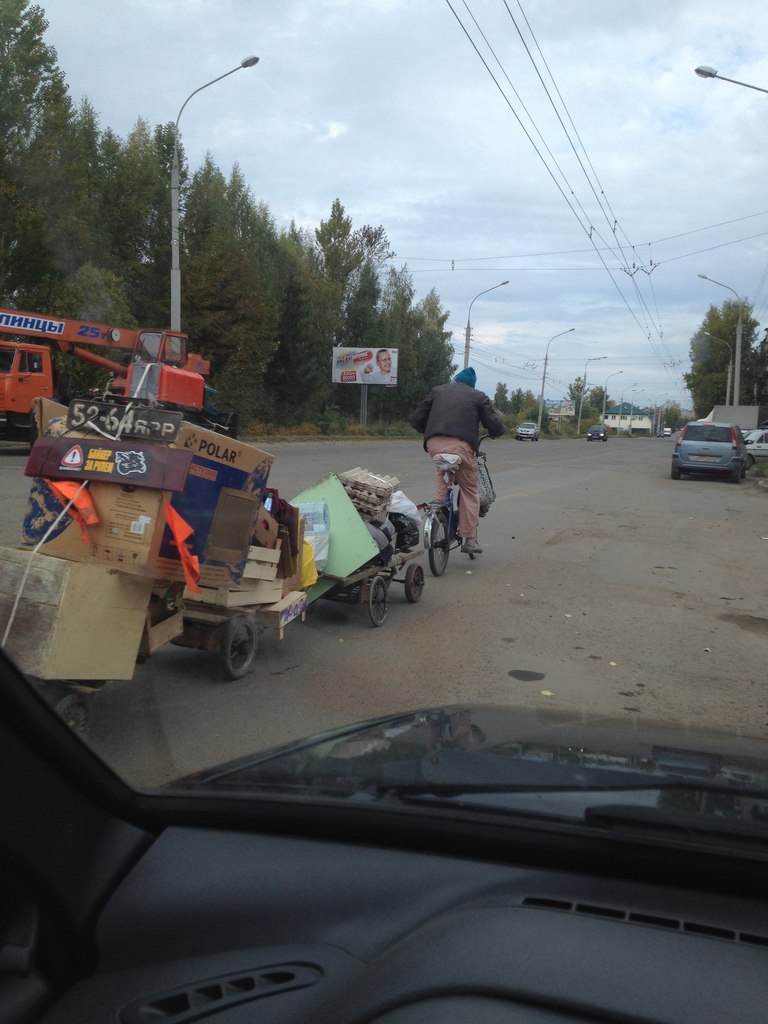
<point>437,541</point>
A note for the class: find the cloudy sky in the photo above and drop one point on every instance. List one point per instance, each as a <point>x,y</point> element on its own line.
<point>564,146</point>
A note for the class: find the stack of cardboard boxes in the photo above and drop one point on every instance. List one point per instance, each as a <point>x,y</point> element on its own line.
<point>119,589</point>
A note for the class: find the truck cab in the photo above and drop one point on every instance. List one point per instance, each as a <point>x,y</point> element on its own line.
<point>26,373</point>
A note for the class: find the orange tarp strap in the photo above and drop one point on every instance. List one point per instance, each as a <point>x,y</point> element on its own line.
<point>82,509</point>
<point>181,532</point>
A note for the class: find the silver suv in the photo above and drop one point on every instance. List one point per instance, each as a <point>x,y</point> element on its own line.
<point>527,432</point>
<point>716,448</point>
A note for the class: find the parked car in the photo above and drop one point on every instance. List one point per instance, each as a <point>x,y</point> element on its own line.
<point>757,446</point>
<point>527,432</point>
<point>716,448</point>
<point>597,433</point>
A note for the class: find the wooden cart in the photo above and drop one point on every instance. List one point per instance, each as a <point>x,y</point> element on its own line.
<point>370,585</point>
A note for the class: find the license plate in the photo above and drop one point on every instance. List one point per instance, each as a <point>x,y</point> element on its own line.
<point>704,458</point>
<point>122,421</point>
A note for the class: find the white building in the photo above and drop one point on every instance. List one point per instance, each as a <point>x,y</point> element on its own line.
<point>628,419</point>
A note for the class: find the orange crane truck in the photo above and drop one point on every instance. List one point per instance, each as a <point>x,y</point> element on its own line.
<point>147,367</point>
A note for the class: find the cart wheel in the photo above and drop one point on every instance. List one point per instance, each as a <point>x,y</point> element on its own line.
<point>436,542</point>
<point>414,583</point>
<point>238,646</point>
<point>74,710</point>
<point>377,600</point>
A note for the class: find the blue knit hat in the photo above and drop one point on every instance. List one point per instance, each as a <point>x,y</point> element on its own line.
<point>466,376</point>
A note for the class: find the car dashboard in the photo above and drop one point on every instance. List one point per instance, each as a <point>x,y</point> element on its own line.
<point>122,906</point>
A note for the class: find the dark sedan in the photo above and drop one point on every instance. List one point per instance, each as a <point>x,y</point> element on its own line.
<point>597,433</point>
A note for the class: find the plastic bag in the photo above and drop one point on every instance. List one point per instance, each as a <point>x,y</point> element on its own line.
<point>308,567</point>
<point>404,506</point>
<point>317,530</point>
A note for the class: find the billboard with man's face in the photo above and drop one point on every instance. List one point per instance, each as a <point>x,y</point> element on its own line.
<point>364,366</point>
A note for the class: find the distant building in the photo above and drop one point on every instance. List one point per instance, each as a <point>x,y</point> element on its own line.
<point>627,418</point>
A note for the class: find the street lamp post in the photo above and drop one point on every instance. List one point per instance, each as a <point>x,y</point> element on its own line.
<point>705,72</point>
<point>605,391</point>
<point>739,327</point>
<point>621,403</point>
<point>544,374</point>
<point>469,330</point>
<point>730,366</point>
<point>248,62</point>
<point>632,410</point>
<point>583,389</point>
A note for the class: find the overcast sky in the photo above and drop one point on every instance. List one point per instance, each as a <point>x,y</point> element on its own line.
<point>563,145</point>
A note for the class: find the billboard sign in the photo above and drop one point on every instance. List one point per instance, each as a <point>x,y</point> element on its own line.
<point>364,366</point>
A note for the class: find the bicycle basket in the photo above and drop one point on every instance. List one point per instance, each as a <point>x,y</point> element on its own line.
<point>484,484</point>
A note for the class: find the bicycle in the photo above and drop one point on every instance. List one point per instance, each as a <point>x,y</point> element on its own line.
<point>441,518</point>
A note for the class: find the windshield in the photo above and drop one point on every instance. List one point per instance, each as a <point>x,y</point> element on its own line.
<point>707,432</point>
<point>298,544</point>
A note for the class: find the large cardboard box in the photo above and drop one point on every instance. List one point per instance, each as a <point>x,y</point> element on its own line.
<point>127,536</point>
<point>220,501</point>
<point>131,518</point>
<point>73,621</point>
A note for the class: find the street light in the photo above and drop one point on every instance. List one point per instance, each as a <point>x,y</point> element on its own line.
<point>621,404</point>
<point>730,365</point>
<point>737,358</point>
<point>248,62</point>
<point>632,410</point>
<point>466,336</point>
<point>583,389</point>
<point>544,375</point>
<point>705,72</point>
<point>605,391</point>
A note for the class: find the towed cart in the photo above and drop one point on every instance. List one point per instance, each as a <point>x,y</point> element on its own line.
<point>354,569</point>
<point>370,585</point>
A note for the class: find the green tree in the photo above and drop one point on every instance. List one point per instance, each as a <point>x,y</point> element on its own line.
<point>501,398</point>
<point>229,291</point>
<point>708,376</point>
<point>35,118</point>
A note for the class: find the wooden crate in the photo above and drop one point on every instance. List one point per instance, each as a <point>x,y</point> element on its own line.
<point>261,564</point>
<point>277,616</point>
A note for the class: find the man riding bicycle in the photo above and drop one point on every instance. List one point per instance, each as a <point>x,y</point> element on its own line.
<point>450,419</point>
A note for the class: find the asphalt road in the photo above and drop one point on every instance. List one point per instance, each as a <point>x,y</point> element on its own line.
<point>604,587</point>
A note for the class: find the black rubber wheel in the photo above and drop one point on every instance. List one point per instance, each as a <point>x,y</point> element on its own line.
<point>238,646</point>
<point>675,474</point>
<point>437,543</point>
<point>73,708</point>
<point>378,601</point>
<point>750,461</point>
<point>414,583</point>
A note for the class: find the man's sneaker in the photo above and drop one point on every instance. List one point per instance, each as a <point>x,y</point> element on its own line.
<point>471,547</point>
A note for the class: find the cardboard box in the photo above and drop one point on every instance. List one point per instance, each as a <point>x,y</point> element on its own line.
<point>73,621</point>
<point>289,566</point>
<point>261,592</point>
<point>265,531</point>
<point>127,536</point>
<point>221,501</point>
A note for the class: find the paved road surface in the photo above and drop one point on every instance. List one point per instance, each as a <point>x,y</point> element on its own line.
<point>604,587</point>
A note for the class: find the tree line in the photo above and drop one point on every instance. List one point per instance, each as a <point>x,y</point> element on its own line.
<point>85,231</point>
